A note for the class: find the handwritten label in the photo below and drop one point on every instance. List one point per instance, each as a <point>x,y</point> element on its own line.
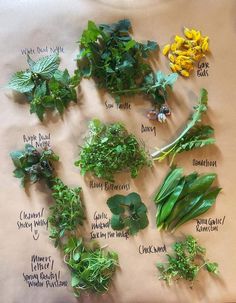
<point>32,221</point>
<point>151,249</point>
<point>203,69</point>
<point>108,186</point>
<point>206,163</point>
<point>101,228</point>
<point>210,224</point>
<point>119,106</point>
<point>42,273</point>
<point>148,129</point>
<point>39,140</point>
<point>42,50</point>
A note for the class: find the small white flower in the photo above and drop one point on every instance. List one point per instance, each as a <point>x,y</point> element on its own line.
<point>161,117</point>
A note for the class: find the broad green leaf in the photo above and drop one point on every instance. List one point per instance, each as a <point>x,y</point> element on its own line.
<point>40,90</point>
<point>169,184</point>
<point>130,44</point>
<point>117,222</point>
<point>170,203</point>
<point>202,183</point>
<point>21,82</point>
<point>115,204</point>
<point>132,198</point>
<point>59,105</point>
<point>212,267</point>
<point>19,173</point>
<point>62,76</point>
<point>182,207</point>
<point>39,110</point>
<point>201,207</point>
<point>17,157</point>
<point>46,66</point>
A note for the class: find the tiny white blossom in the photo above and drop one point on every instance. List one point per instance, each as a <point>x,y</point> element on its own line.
<point>161,117</point>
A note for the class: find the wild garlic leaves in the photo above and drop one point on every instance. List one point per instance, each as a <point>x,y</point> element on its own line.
<point>181,198</point>
<point>128,212</point>
<point>45,86</point>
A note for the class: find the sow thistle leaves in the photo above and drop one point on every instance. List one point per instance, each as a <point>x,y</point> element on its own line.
<point>45,86</point>
<point>194,135</point>
<point>128,212</point>
<point>118,63</point>
<point>182,198</point>
<point>187,260</point>
<point>31,165</point>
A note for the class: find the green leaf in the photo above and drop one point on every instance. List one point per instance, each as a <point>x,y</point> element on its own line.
<point>40,90</point>
<point>62,76</point>
<point>130,44</point>
<point>19,173</point>
<point>59,106</point>
<point>169,203</point>
<point>39,110</point>
<point>169,184</point>
<point>75,280</point>
<point>202,183</point>
<point>201,207</point>
<point>46,66</point>
<point>17,157</point>
<point>115,204</point>
<point>21,82</point>
<point>117,222</point>
<point>212,267</point>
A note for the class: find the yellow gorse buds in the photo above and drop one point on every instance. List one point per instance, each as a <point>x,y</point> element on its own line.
<point>185,51</point>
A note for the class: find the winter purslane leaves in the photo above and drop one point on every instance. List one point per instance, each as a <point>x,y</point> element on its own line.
<point>45,86</point>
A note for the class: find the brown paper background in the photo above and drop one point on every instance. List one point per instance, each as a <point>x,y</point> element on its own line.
<point>48,22</point>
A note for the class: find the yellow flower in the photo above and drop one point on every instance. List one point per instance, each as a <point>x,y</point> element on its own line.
<point>172,66</point>
<point>188,33</point>
<point>166,49</point>
<point>171,58</point>
<point>184,73</point>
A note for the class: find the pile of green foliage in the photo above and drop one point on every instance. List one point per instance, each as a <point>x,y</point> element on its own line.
<point>45,86</point>
<point>109,149</point>
<point>182,198</point>
<point>186,262</point>
<point>128,212</point>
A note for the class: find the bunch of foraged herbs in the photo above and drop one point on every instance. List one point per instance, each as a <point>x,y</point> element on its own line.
<point>67,211</point>
<point>182,198</point>
<point>128,212</point>
<point>32,165</point>
<point>45,86</point>
<point>186,262</point>
<point>92,268</point>
<point>109,149</point>
<point>118,63</point>
<point>194,135</point>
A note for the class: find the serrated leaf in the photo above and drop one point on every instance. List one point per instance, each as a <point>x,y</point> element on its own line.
<point>21,82</point>
<point>40,90</point>
<point>59,106</point>
<point>62,76</point>
<point>46,66</point>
